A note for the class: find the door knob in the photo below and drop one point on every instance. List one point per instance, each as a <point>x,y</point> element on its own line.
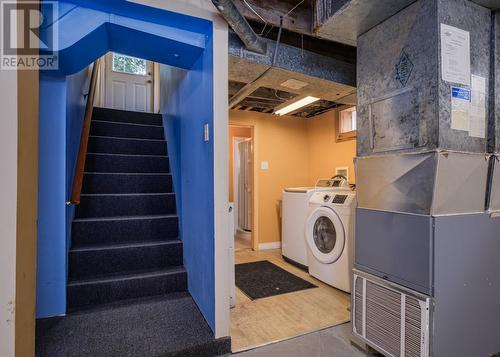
<point>149,81</point>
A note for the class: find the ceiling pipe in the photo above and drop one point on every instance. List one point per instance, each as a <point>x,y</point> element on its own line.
<point>249,88</point>
<point>240,25</point>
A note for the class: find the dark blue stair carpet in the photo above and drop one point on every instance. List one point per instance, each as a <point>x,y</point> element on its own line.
<point>94,231</point>
<point>170,326</point>
<point>131,204</point>
<point>126,130</point>
<point>96,261</point>
<point>99,291</point>
<point>126,116</point>
<point>123,163</point>
<point>113,145</point>
<point>99,182</point>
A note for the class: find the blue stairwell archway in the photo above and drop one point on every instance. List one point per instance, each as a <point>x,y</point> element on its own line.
<point>87,30</point>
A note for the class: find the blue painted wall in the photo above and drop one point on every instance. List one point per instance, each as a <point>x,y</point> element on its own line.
<point>187,98</point>
<point>188,109</point>
<point>62,107</point>
<point>51,241</point>
<point>89,29</point>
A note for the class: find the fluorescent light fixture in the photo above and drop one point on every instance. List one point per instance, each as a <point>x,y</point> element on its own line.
<point>296,105</point>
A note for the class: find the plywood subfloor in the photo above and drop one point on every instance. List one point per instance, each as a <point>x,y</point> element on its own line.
<point>262,321</point>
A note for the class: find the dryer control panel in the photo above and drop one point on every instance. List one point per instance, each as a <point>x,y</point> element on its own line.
<point>333,198</point>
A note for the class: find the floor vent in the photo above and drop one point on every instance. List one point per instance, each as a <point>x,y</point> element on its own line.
<point>391,319</point>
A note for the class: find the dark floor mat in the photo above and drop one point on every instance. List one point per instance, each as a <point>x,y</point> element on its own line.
<point>263,279</point>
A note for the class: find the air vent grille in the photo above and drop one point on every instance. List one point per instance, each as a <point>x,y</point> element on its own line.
<point>390,319</point>
<point>413,326</point>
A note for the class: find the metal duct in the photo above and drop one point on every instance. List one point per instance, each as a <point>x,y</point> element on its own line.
<point>429,183</point>
<point>240,25</point>
<point>494,186</point>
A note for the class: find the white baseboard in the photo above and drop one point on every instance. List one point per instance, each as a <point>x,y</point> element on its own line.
<point>270,245</point>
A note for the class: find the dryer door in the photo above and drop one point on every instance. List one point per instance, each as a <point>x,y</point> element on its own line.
<point>325,235</point>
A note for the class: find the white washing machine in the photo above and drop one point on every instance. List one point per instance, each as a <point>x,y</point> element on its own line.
<point>330,237</point>
<point>294,216</point>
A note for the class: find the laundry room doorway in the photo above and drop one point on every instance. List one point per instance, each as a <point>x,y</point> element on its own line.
<point>242,184</point>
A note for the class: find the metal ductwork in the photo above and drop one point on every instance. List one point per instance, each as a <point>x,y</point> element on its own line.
<point>240,25</point>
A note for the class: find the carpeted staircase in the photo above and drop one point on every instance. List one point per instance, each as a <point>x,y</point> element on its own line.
<point>125,241</point>
<point>126,260</point>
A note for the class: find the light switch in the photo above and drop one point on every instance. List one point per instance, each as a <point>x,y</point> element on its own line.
<point>206,133</point>
<point>264,165</point>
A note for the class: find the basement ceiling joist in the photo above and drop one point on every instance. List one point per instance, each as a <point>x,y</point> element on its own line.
<point>292,59</point>
<point>267,100</point>
<point>299,20</point>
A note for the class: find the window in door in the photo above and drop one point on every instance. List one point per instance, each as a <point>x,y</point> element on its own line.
<point>346,124</point>
<point>129,64</point>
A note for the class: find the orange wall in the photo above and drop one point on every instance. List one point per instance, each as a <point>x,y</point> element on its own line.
<point>238,132</point>
<point>282,142</point>
<point>325,154</point>
<point>299,151</point>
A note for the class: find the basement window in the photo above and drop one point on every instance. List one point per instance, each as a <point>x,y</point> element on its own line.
<point>346,123</point>
<point>129,64</point>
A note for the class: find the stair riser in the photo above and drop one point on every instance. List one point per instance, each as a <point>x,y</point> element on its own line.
<point>126,131</point>
<point>96,293</point>
<point>124,164</point>
<point>95,263</point>
<point>99,183</point>
<point>123,231</point>
<point>112,206</point>
<point>126,117</point>
<point>106,145</point>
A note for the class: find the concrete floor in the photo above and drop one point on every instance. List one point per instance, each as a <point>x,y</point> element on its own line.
<point>330,342</point>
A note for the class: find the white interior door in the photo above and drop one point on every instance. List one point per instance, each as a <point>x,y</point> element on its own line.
<point>245,185</point>
<point>129,83</point>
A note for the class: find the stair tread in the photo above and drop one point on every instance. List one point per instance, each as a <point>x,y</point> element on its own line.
<point>129,173</point>
<point>134,155</point>
<point>127,194</point>
<point>125,123</point>
<point>125,245</point>
<point>129,276</point>
<point>125,218</point>
<point>122,138</point>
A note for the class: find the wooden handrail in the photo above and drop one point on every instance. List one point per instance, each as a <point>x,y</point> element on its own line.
<point>84,140</point>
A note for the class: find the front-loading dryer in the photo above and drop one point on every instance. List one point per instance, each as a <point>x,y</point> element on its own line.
<point>330,237</point>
